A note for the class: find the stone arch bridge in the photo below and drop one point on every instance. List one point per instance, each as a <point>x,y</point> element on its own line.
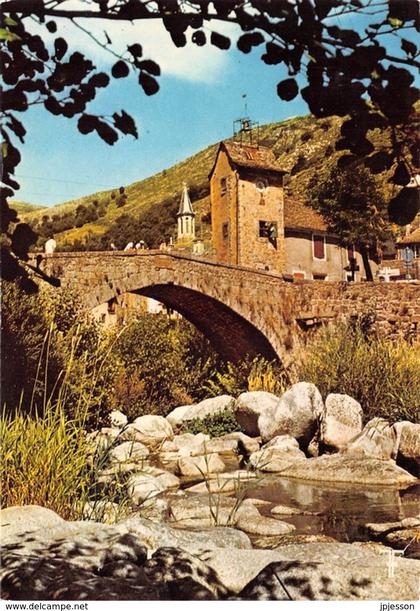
<point>242,311</point>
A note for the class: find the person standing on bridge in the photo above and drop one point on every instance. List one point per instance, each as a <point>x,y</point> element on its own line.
<point>50,246</point>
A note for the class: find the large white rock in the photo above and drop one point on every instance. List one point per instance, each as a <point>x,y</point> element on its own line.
<point>129,452</point>
<point>340,421</point>
<point>377,440</point>
<point>118,419</point>
<point>208,407</point>
<point>141,487</point>
<point>260,525</point>
<point>176,416</point>
<point>250,406</point>
<point>200,465</point>
<point>188,444</point>
<point>232,481</point>
<point>297,414</point>
<point>149,429</point>
<point>15,520</point>
<point>277,454</point>
<point>408,439</point>
<point>249,444</point>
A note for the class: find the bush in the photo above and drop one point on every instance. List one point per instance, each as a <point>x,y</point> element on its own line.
<point>383,376</point>
<point>215,425</point>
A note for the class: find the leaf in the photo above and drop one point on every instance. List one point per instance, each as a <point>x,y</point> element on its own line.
<point>408,47</point>
<point>401,175</point>
<point>22,238</point>
<point>60,46</point>
<point>220,41</point>
<point>148,83</point>
<point>106,132</point>
<point>17,128</point>
<point>247,41</point>
<point>87,123</point>
<point>136,50</point>
<point>51,26</point>
<point>199,38</point>
<point>120,70</point>
<point>125,123</point>
<point>287,89</point>
<point>149,66</point>
<point>99,80</point>
<point>274,54</point>
<point>378,162</point>
<point>404,208</point>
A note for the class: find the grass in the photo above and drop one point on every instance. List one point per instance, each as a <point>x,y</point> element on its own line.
<point>384,376</point>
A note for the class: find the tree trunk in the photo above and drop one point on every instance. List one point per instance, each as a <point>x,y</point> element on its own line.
<point>366,263</point>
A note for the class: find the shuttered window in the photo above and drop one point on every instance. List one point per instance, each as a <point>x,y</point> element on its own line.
<point>319,247</point>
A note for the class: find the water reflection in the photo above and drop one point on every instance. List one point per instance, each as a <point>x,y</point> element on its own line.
<point>343,509</point>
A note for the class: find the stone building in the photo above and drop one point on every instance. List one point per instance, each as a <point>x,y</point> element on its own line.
<point>246,193</point>
<point>255,225</point>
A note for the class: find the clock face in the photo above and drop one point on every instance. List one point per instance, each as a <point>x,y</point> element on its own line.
<point>261,186</point>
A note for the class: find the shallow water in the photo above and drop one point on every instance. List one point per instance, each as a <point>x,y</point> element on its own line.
<point>343,509</point>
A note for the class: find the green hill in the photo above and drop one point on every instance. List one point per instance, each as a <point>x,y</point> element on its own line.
<point>25,208</point>
<point>304,147</point>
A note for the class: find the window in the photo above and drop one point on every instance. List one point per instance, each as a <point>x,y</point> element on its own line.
<point>318,242</point>
<point>268,229</point>
<point>319,276</point>
<point>225,230</point>
<point>299,275</point>
<point>223,186</point>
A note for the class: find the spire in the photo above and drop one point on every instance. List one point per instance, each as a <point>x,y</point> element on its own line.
<point>185,206</point>
<point>186,216</point>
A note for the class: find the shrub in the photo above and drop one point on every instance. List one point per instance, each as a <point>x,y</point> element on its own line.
<point>383,376</point>
<point>247,375</point>
<point>215,425</point>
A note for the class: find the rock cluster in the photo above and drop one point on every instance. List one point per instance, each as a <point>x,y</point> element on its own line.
<point>139,560</point>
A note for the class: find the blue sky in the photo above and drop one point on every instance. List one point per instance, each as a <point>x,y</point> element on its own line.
<point>200,95</point>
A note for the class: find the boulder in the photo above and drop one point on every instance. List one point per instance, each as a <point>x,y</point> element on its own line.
<point>250,406</point>
<point>254,524</point>
<point>200,465</point>
<point>210,407</point>
<point>341,571</point>
<point>351,469</point>
<point>408,436</point>
<point>217,445</point>
<point>150,430</point>
<point>16,519</point>
<point>340,421</point>
<point>103,511</point>
<point>277,454</point>
<point>233,481</point>
<point>377,440</point>
<point>285,510</point>
<point>132,452</point>
<point>141,487</point>
<point>297,414</point>
<point>168,479</point>
<point>176,416</point>
<point>177,568</point>
<point>117,419</point>
<point>188,444</point>
<point>245,443</point>
<point>205,510</point>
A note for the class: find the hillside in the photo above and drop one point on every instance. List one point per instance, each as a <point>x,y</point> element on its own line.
<point>25,208</point>
<point>303,146</point>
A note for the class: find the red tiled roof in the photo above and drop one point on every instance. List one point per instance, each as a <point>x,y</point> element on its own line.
<point>412,238</point>
<point>247,156</point>
<point>297,215</point>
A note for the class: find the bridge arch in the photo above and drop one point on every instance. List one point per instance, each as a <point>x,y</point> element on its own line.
<point>230,334</point>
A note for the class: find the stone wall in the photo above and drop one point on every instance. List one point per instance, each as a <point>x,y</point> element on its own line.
<point>239,309</point>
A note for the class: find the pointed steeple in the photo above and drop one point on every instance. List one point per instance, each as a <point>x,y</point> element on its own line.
<point>186,216</point>
<point>185,206</point>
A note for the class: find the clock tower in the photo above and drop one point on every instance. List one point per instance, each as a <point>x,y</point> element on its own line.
<point>246,193</point>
